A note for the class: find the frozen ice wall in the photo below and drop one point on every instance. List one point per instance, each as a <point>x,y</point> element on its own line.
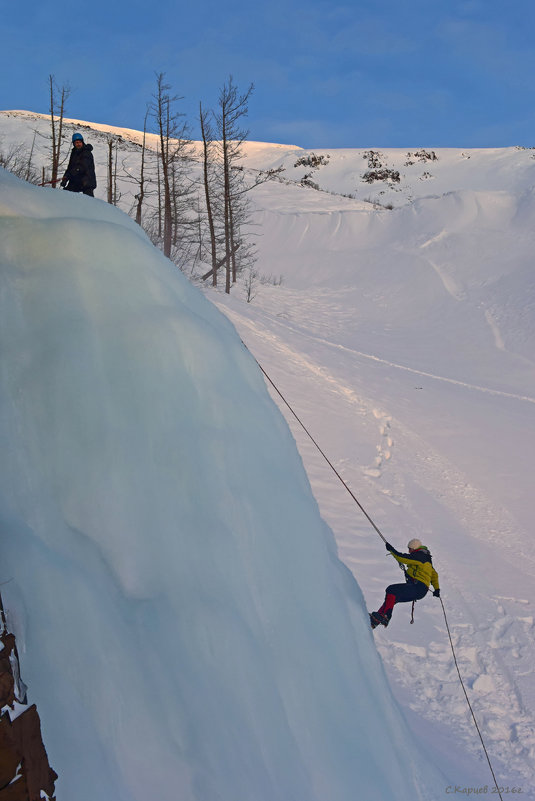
<point>185,626</point>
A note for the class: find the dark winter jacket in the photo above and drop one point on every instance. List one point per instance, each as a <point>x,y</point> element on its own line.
<point>80,174</point>
<point>419,565</point>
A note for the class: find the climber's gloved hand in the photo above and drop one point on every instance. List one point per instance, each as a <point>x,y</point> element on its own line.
<point>437,593</point>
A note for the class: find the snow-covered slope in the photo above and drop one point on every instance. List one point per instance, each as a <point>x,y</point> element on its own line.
<point>404,338</point>
<point>185,625</point>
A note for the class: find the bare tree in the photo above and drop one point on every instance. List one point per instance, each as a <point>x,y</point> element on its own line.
<point>232,108</point>
<point>159,187</point>
<point>110,170</point>
<point>208,142</point>
<point>174,149</point>
<point>58,100</point>
<point>112,194</point>
<point>18,160</point>
<point>30,172</point>
<point>226,198</point>
<point>141,194</point>
<point>251,284</point>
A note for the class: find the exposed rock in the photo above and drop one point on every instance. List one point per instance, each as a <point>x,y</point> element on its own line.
<point>7,682</point>
<point>25,773</point>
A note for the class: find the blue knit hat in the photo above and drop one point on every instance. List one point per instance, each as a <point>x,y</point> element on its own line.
<point>77,136</point>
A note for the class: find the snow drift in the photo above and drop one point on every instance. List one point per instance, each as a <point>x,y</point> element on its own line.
<point>185,625</point>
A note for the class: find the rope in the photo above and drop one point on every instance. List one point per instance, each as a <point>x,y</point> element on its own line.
<point>333,468</point>
<point>468,700</point>
<point>365,513</point>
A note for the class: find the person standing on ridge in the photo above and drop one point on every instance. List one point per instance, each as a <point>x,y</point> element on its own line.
<point>419,574</point>
<point>80,173</point>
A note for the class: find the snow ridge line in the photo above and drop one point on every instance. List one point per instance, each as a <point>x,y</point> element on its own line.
<point>465,384</point>
<point>499,520</point>
<point>415,371</point>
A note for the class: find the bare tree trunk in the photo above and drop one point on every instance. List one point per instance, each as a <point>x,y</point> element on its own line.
<point>226,201</point>
<point>110,170</point>
<point>57,133</point>
<point>160,217</point>
<point>162,117</point>
<point>233,249</point>
<point>173,144</point>
<point>115,196</point>
<point>53,124</point>
<point>64,96</point>
<point>217,265</point>
<point>175,206</point>
<point>227,244</point>
<point>29,165</point>
<point>141,195</point>
<point>232,107</point>
<point>207,196</point>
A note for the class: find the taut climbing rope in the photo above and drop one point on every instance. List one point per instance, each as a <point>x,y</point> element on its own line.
<point>333,468</point>
<point>365,513</point>
<point>468,700</point>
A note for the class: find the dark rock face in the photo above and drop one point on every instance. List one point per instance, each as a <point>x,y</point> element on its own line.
<point>7,681</point>
<point>25,774</point>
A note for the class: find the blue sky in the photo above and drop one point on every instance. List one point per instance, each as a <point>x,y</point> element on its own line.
<point>394,73</point>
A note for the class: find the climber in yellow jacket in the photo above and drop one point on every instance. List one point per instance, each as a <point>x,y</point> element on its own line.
<point>419,574</point>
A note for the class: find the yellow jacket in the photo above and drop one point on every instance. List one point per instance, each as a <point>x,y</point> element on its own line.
<point>419,566</point>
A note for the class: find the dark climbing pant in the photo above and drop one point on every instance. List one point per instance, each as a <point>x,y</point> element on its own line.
<point>402,593</point>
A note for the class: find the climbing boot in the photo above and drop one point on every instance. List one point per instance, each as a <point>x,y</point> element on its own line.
<point>377,618</point>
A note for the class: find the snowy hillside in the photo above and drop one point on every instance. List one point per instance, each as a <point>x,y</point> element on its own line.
<point>188,631</point>
<point>404,338</point>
